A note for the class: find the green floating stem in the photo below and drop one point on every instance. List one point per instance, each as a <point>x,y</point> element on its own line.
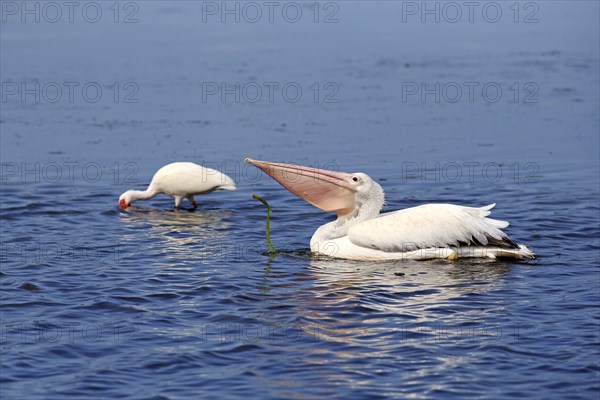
<point>267,224</point>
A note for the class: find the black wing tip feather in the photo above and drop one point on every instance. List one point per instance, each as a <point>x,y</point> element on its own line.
<point>504,243</point>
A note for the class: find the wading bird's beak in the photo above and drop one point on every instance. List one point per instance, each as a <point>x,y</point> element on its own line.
<point>330,191</point>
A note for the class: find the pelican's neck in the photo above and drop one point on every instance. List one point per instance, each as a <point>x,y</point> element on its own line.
<point>366,209</point>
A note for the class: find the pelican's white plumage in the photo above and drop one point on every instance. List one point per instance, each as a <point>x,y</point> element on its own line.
<point>180,180</point>
<point>361,232</point>
<point>429,225</point>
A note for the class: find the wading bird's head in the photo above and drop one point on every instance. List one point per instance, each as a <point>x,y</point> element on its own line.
<point>125,200</point>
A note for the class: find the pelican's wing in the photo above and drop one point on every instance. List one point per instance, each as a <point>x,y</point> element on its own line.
<point>431,225</point>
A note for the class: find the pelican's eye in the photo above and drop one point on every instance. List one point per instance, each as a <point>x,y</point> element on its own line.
<point>355,178</point>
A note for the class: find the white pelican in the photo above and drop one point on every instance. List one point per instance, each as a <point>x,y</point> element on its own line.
<point>179,180</point>
<point>361,233</point>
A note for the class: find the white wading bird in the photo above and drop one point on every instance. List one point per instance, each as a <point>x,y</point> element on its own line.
<point>179,180</point>
<point>419,233</point>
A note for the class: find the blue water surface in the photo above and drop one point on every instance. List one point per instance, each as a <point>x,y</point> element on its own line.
<point>147,302</point>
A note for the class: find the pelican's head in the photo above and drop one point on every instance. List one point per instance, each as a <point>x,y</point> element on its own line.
<point>125,199</point>
<point>331,191</point>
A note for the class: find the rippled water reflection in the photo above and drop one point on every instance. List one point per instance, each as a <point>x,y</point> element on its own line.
<point>178,236</point>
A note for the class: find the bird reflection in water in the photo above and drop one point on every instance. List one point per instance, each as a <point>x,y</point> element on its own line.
<point>365,302</point>
<point>196,236</point>
<point>406,312</point>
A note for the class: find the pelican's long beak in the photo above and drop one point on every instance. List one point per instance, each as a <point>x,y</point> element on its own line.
<point>330,191</point>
